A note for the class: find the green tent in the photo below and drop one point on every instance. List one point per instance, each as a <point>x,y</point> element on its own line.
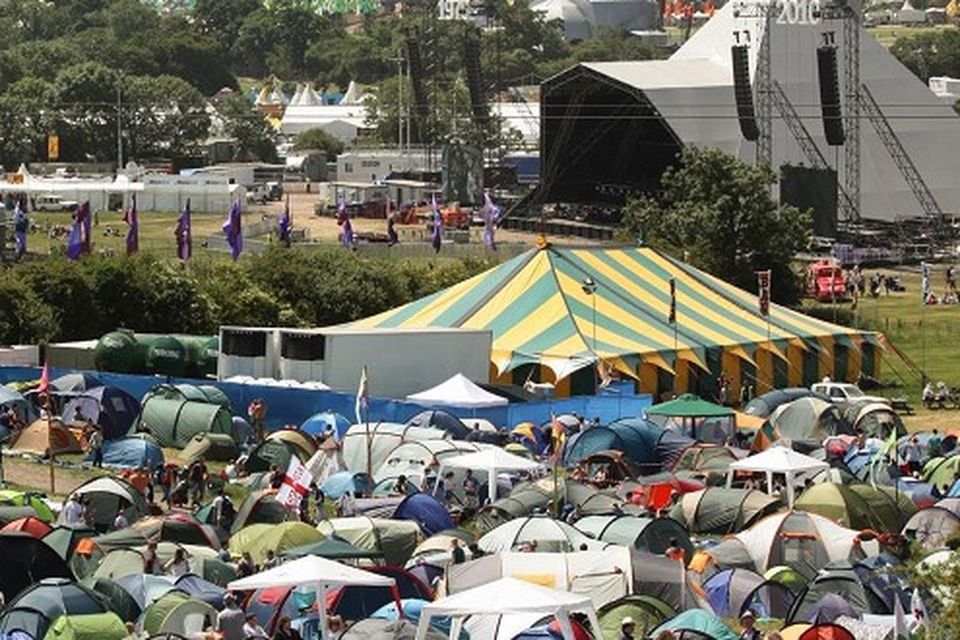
<point>524,499</point>
<point>257,508</point>
<point>160,529</point>
<point>647,612</point>
<point>697,623</point>
<point>941,471</point>
<point>12,498</point>
<point>211,446</point>
<point>788,577</point>
<point>93,626</point>
<point>174,422</point>
<point>270,453</point>
<point>719,511</point>
<point>647,534</point>
<point>195,393</point>
<point>118,599</point>
<point>257,539</point>
<point>395,539</point>
<point>855,506</point>
<point>334,549</point>
<point>176,612</point>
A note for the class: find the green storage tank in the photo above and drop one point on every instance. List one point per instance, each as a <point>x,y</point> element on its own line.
<point>208,355</point>
<point>165,355</point>
<point>119,352</point>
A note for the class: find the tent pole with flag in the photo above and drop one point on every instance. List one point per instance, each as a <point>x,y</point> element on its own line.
<point>133,227</point>
<point>78,243</point>
<point>232,229</point>
<point>343,221</point>
<point>437,240</point>
<point>362,409</point>
<point>296,484</point>
<point>285,224</point>
<point>43,389</point>
<point>183,234</point>
<point>21,225</point>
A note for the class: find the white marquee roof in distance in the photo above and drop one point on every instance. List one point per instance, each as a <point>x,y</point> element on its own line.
<point>651,75</point>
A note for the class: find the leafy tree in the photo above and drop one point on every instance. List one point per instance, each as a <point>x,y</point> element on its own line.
<point>247,124</point>
<point>24,318</point>
<point>163,116</point>
<point>935,52</point>
<point>718,210</point>
<point>86,95</point>
<point>319,139</point>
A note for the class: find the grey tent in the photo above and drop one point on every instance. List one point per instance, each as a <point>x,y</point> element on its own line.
<point>933,526</point>
<point>380,629</point>
<point>525,499</point>
<point>732,592</point>
<point>259,507</point>
<point>765,404</point>
<point>35,609</point>
<point>106,494</point>
<point>658,576</point>
<point>648,534</point>
<point>808,419</point>
<point>117,598</point>
<point>718,510</point>
<point>195,393</point>
<point>211,446</point>
<point>174,422</point>
<point>826,589</point>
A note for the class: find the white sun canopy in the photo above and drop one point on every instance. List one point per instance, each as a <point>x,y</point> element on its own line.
<point>779,460</point>
<point>509,597</point>
<point>458,391</point>
<point>316,571</point>
<point>492,461</point>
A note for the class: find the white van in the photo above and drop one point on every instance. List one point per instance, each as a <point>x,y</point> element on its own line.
<point>54,202</point>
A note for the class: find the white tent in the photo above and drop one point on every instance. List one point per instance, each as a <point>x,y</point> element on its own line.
<point>316,571</point>
<point>491,461</point>
<point>458,391</point>
<point>509,597</point>
<point>792,465</point>
<point>547,533</point>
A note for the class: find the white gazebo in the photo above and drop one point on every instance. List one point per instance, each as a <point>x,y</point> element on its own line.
<point>458,391</point>
<point>779,460</point>
<point>510,597</point>
<point>322,574</point>
<point>491,461</point>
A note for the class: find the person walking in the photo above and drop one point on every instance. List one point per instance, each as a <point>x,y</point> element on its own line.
<point>96,447</point>
<point>230,620</point>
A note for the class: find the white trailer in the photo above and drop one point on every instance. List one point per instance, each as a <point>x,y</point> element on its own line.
<point>399,362</point>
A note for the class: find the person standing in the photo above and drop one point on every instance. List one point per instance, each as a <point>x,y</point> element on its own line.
<point>73,512</point>
<point>748,622</point>
<point>285,631</point>
<point>177,565</point>
<point>627,628</point>
<point>197,477</point>
<point>151,563</point>
<point>457,554</point>
<point>471,489</point>
<point>96,446</point>
<point>230,620</point>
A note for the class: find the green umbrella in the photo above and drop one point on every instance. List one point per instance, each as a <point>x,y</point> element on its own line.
<point>333,548</point>
<point>689,406</point>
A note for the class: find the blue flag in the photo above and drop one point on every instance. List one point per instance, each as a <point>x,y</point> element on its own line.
<point>183,234</point>
<point>285,224</point>
<point>437,224</point>
<point>491,215</point>
<point>133,227</point>
<point>233,230</point>
<point>21,224</point>
<point>78,243</point>
<point>343,220</point>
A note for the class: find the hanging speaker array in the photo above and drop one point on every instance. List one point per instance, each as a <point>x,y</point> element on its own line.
<point>830,109</point>
<point>746,113</point>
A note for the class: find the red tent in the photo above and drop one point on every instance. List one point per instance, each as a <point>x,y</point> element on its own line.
<point>34,526</point>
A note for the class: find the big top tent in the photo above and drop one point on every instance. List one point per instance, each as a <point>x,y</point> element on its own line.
<point>540,313</point>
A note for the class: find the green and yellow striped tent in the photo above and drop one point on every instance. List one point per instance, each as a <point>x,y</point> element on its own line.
<point>548,326</point>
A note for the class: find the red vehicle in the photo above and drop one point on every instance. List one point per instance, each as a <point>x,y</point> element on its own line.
<point>826,282</point>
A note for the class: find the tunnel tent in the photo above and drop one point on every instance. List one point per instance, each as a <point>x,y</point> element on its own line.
<point>219,447</point>
<point>178,613</point>
<point>651,447</point>
<point>412,459</point>
<point>647,534</point>
<point>875,419</point>
<point>380,439</point>
<point>855,506</point>
<point>731,592</point>
<point>696,623</point>
<point>647,612</point>
<point>174,422</point>
<point>719,511</point>
<point>933,526</point>
<point>116,597</point>
<point>131,452</point>
<point>95,626</point>
<point>46,436</point>
<point>394,539</point>
<point>105,494</point>
<point>112,409</point>
<point>195,393</point>
<point>257,539</point>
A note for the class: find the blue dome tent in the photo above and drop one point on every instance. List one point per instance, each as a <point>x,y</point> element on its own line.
<point>319,423</point>
<point>112,409</point>
<point>650,446</point>
<point>425,511</point>
<point>131,453</point>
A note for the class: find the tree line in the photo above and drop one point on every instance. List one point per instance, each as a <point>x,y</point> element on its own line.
<point>53,300</point>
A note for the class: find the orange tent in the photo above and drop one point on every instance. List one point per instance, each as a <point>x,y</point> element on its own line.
<point>46,436</point>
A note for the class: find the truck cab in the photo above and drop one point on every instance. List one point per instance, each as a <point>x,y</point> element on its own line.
<point>53,202</point>
<point>845,393</point>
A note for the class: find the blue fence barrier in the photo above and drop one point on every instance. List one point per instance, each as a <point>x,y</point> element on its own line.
<point>288,406</point>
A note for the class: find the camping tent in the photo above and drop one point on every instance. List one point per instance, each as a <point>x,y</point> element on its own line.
<point>174,422</point>
<point>694,417</point>
<point>105,495</point>
<point>332,548</point>
<point>808,419</point>
<point>765,403</point>
<point>211,446</point>
<point>717,510</point>
<point>411,459</point>
<point>178,613</point>
<point>75,382</point>
<point>379,440</point>
<point>173,527</point>
<point>278,448</point>
<point>875,419</point>
<point>31,525</point>
<point>395,539</point>
<point>933,526</point>
<point>515,599</point>
<point>647,612</point>
<point>46,435</point>
<point>649,446</point>
<point>696,623</point>
<point>543,532</point>
<point>856,506</point>
<point>312,570</point>
<point>94,626</point>
<point>131,453</point>
<point>195,393</point>
<point>20,405</point>
<point>490,461</point>
<point>733,591</point>
<point>28,500</point>
<point>437,419</point>
<point>543,289</point>
<point>806,542</point>
<point>650,534</point>
<point>259,507</point>
<point>458,391</point>
<point>112,409</point>
<point>319,423</point>
<point>257,539</point>
<point>426,511</point>
<point>118,600</point>
<point>524,499</point>
<point>36,607</point>
<point>795,467</point>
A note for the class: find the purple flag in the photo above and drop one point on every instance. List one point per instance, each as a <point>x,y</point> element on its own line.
<point>343,220</point>
<point>392,237</point>
<point>78,243</point>
<point>133,224</point>
<point>232,229</point>
<point>21,224</point>
<point>184,234</point>
<point>491,214</point>
<point>285,224</point>
<point>437,224</point>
